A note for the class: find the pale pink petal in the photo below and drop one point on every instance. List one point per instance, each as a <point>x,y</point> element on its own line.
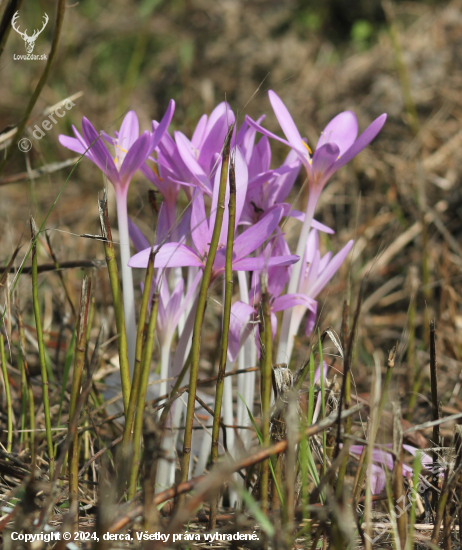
<point>341,130</point>
<point>285,120</point>
<point>169,255</point>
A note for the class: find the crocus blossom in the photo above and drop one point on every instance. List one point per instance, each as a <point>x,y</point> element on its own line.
<point>316,273</point>
<point>337,145</point>
<point>174,254</point>
<point>131,152</point>
<point>244,316</point>
<point>178,164</point>
<point>381,458</point>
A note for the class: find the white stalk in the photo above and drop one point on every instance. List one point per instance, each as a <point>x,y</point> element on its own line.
<point>127,278</point>
<point>288,329</point>
<point>206,447</point>
<point>228,419</point>
<point>228,415</point>
<point>246,382</point>
<point>166,470</point>
<point>182,320</point>
<point>165,365</point>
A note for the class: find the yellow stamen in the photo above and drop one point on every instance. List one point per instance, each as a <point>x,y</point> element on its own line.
<point>308,147</point>
<point>121,148</point>
<point>154,169</point>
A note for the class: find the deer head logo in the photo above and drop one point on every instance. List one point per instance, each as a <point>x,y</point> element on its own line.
<point>29,40</point>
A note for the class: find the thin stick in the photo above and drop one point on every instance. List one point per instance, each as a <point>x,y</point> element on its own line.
<point>398,482</point>
<point>5,25</point>
<point>441,508</point>
<point>201,304</point>
<point>225,331</point>
<point>9,405</point>
<point>435,413</point>
<point>41,347</point>
<point>266,369</point>
<point>116,298</point>
<point>72,429</point>
<point>262,454</point>
<point>76,264</point>
<point>79,360</point>
<point>28,394</point>
<point>60,274</point>
<point>343,466</point>
<point>362,466</point>
<point>413,378</point>
<point>347,360</point>
<point>142,396</point>
<point>140,337</point>
<point>175,393</point>
<point>200,382</point>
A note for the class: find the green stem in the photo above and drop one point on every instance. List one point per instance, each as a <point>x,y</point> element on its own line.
<point>140,337</point>
<point>435,408</point>
<point>144,379</point>
<point>41,347</point>
<point>5,25</point>
<point>201,304</point>
<point>266,369</point>
<point>323,405</point>
<point>59,272</point>
<point>413,375</point>
<point>28,395</point>
<point>362,466</point>
<point>116,299</point>
<point>173,394</point>
<point>79,360</point>
<point>225,331</point>
<point>345,331</point>
<point>417,465</point>
<point>9,404</point>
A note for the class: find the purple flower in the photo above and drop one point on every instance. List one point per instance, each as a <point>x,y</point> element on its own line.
<point>201,154</point>
<point>173,304</point>
<point>131,149</point>
<point>176,254</point>
<point>180,255</point>
<point>268,188</point>
<point>337,145</point>
<point>316,272</point>
<point>167,173</point>
<point>383,458</point>
<point>244,316</point>
<point>131,152</point>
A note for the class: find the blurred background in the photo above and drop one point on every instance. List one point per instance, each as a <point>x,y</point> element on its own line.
<point>400,199</point>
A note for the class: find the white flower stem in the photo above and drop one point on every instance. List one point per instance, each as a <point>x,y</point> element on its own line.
<point>246,382</point>
<point>127,278</point>
<point>288,329</point>
<point>165,365</point>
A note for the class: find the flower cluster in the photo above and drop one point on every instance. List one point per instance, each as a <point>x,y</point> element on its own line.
<point>177,164</point>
